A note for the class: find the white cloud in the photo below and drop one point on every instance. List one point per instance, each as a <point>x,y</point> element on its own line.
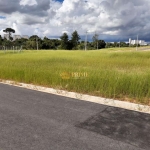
<point>28,2</point>
<point>124,17</point>
<point>1,32</point>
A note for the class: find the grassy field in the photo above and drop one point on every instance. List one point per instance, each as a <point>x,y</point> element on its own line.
<point>119,73</point>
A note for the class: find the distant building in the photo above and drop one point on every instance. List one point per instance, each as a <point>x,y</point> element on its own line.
<point>140,42</point>
<point>6,36</point>
<point>19,37</point>
<point>15,37</point>
<point>25,36</point>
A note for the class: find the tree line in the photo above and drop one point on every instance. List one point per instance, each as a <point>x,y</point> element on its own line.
<point>64,43</point>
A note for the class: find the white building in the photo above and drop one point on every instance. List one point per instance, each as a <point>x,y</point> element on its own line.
<point>140,42</point>
<point>6,36</point>
<point>25,36</point>
<point>15,37</point>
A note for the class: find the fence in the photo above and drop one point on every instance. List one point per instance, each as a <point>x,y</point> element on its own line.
<point>11,48</point>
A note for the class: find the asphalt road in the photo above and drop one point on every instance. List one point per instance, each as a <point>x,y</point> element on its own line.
<point>31,120</point>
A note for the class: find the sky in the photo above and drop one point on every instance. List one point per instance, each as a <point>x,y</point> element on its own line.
<point>111,19</point>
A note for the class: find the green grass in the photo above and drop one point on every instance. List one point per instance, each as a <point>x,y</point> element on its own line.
<point>120,73</point>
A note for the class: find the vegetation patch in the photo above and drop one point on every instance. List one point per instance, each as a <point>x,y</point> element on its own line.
<point>119,73</point>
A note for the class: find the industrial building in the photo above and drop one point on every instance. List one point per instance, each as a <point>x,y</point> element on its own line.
<point>15,37</point>
<point>25,36</point>
<point>6,36</point>
<point>140,42</point>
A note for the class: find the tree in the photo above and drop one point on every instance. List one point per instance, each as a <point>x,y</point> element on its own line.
<point>1,40</point>
<point>116,44</point>
<point>98,44</point>
<point>34,42</point>
<point>95,40</point>
<point>45,43</point>
<point>9,31</point>
<point>64,41</point>
<point>75,39</point>
<point>81,46</point>
<point>33,37</point>
<point>123,44</point>
<point>101,44</point>
<point>20,42</point>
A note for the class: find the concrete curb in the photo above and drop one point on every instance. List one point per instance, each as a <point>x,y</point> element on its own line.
<point>94,99</point>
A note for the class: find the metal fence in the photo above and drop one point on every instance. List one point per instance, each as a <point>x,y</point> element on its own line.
<point>11,48</point>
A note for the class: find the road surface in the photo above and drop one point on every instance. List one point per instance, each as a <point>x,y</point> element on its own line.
<point>32,120</point>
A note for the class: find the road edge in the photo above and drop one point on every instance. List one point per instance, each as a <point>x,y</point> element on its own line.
<point>84,97</point>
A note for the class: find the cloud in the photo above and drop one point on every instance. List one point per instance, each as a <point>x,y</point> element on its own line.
<point>28,2</point>
<point>126,18</point>
<point>7,6</point>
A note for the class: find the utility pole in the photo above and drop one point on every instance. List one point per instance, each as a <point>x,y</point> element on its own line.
<point>4,49</point>
<point>37,44</point>
<point>137,42</point>
<point>96,36</point>
<point>13,50</point>
<point>85,43</point>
